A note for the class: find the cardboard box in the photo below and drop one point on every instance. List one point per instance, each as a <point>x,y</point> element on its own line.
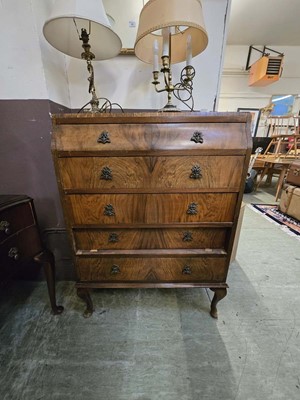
<point>293,175</point>
<point>290,201</point>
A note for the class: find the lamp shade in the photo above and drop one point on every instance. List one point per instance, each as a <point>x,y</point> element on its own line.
<point>186,18</point>
<point>63,28</point>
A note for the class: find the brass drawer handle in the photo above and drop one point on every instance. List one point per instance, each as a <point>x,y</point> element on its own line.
<point>196,172</point>
<point>186,270</point>
<point>197,137</point>
<point>14,253</point>
<point>103,137</point>
<point>192,209</point>
<point>109,210</point>
<point>115,269</point>
<point>187,237</point>
<point>113,237</point>
<point>296,172</point>
<point>106,174</point>
<point>4,227</point>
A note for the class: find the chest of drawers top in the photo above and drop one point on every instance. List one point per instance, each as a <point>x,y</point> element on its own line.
<point>150,133</point>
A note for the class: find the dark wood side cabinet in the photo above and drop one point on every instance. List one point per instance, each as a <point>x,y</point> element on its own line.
<point>151,199</point>
<point>20,242</point>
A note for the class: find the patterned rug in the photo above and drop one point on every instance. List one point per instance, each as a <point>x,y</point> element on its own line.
<point>285,222</point>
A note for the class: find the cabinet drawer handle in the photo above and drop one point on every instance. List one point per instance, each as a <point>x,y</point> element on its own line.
<point>197,137</point>
<point>187,237</point>
<point>192,209</point>
<point>296,172</point>
<point>109,210</point>
<point>113,237</point>
<point>103,137</point>
<point>186,270</point>
<point>14,253</point>
<point>4,227</point>
<point>106,174</point>
<point>196,172</point>
<point>115,269</point>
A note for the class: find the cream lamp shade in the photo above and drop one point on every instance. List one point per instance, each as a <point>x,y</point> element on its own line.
<point>63,29</point>
<point>184,17</point>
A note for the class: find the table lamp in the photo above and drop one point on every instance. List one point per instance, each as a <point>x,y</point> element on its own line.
<point>175,30</point>
<point>77,24</point>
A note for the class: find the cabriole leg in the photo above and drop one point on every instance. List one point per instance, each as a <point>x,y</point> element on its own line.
<point>46,259</point>
<point>219,295</point>
<point>84,294</point>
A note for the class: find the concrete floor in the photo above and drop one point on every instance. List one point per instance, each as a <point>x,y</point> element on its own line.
<point>162,344</point>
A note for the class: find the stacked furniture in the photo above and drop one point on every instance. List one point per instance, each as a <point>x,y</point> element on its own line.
<point>151,200</point>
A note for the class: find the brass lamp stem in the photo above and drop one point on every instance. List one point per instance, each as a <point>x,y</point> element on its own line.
<point>89,56</point>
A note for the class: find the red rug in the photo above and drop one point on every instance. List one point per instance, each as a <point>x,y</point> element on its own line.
<point>285,222</point>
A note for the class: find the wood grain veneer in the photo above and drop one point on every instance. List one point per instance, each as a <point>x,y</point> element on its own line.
<point>151,199</point>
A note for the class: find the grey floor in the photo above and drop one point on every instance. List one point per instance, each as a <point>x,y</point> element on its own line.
<point>163,344</point>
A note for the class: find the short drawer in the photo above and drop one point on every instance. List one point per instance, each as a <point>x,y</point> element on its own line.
<point>137,138</point>
<point>131,239</point>
<point>218,172</point>
<point>20,247</point>
<point>150,208</point>
<point>14,219</point>
<point>152,269</point>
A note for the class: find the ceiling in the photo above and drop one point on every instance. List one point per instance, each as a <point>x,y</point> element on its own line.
<point>264,22</point>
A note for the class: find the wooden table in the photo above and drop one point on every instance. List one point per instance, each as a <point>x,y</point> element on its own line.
<point>269,164</point>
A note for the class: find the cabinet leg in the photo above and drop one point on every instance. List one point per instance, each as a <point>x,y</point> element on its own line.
<point>84,294</point>
<point>46,259</point>
<point>219,295</point>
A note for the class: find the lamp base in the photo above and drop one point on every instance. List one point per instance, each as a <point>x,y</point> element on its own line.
<point>169,108</point>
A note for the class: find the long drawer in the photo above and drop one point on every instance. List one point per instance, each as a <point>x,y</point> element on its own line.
<point>150,208</point>
<point>120,239</point>
<point>209,269</point>
<point>141,138</point>
<point>219,172</point>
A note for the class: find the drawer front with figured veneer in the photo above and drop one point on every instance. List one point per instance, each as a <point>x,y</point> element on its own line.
<point>140,138</point>
<point>106,173</point>
<point>180,238</point>
<point>208,269</point>
<point>151,208</point>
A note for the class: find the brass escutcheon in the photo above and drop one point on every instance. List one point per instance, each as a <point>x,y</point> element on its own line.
<point>115,269</point>
<point>186,270</point>
<point>109,210</point>
<point>192,209</point>
<point>106,174</point>
<point>196,172</point>
<point>103,137</point>
<point>197,137</point>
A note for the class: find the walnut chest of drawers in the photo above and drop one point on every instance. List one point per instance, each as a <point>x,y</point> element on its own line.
<point>151,199</point>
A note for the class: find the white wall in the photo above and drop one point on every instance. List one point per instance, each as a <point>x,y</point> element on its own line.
<point>235,91</point>
<point>21,69</point>
<point>32,69</point>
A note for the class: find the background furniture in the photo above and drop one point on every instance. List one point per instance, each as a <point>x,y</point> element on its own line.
<point>290,199</point>
<point>151,199</point>
<point>20,242</point>
<point>268,165</point>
